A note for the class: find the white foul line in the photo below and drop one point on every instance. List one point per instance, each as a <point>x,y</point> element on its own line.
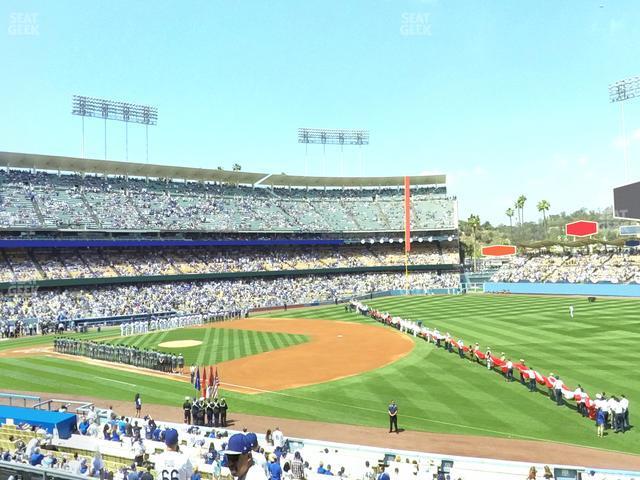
<point>118,381</point>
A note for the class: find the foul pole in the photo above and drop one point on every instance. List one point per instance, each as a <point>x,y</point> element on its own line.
<point>407,230</point>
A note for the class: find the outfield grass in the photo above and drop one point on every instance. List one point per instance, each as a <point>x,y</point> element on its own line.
<point>218,344</point>
<point>436,391</point>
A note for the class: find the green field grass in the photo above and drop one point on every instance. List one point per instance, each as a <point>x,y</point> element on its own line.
<point>436,391</point>
<point>218,344</point>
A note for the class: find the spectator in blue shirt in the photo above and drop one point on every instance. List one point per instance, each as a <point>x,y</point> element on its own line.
<point>275,470</point>
<point>83,426</point>
<point>36,457</point>
<point>321,469</point>
<point>122,426</point>
<point>83,466</point>
<point>211,454</point>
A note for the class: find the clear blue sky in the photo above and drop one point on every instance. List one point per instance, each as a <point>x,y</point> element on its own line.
<point>505,97</point>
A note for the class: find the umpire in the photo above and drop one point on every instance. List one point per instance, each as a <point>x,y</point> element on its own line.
<point>393,416</point>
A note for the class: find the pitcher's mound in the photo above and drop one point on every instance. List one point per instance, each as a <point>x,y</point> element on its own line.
<point>180,344</point>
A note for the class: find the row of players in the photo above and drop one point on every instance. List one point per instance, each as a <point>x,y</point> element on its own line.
<point>130,355</point>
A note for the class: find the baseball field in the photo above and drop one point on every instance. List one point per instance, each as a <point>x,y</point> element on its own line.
<point>325,364</point>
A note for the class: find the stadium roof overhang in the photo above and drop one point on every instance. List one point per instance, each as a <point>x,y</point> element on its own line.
<point>130,169</point>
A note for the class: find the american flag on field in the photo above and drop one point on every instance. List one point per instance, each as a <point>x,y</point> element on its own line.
<point>216,383</point>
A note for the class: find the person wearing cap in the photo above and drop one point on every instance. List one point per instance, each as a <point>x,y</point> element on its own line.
<point>258,457</point>
<point>275,470</point>
<point>186,408</point>
<point>240,460</point>
<point>172,464</point>
<point>488,358</point>
<point>223,412</point>
<point>383,475</point>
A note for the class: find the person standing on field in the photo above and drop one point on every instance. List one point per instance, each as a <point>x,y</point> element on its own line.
<point>393,416</point>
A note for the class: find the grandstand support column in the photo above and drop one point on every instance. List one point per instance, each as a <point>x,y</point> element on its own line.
<point>126,141</point>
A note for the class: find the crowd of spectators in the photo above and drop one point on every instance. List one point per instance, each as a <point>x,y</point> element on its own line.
<point>46,200</point>
<point>604,267</point>
<point>208,297</point>
<point>25,265</point>
<point>111,446</point>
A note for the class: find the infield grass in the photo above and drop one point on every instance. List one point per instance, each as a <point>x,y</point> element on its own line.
<point>436,391</point>
<point>218,344</point>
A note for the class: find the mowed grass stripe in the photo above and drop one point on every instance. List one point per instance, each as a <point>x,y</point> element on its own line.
<point>438,391</point>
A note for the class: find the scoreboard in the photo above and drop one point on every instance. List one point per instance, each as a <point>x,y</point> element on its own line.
<point>626,201</point>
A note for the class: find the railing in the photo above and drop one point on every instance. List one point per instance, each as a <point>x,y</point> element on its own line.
<point>27,472</point>
<point>17,397</point>
<point>83,407</point>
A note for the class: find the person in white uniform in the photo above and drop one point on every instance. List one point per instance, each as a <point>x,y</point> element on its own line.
<point>172,464</point>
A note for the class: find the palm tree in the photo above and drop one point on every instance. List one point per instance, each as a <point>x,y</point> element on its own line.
<point>474,223</point>
<point>543,207</point>
<point>520,206</point>
<point>510,214</point>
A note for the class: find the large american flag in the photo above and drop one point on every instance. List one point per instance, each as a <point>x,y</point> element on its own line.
<point>216,383</point>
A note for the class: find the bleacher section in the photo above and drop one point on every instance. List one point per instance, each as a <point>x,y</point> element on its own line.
<point>81,202</point>
<point>117,457</point>
<point>597,267</point>
<point>42,264</point>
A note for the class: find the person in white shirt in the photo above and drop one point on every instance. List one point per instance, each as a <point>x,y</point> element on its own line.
<point>611,403</point>
<point>557,387</point>
<point>625,407</point>
<point>93,430</point>
<point>240,459</point>
<point>172,464</point>
<point>31,446</point>
<point>258,457</point>
<point>531,374</point>
<point>278,438</point>
<point>509,376</point>
<point>138,450</point>
<point>618,415</point>
<point>571,310</point>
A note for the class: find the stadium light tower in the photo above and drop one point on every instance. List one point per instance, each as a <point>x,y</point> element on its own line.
<point>620,92</point>
<point>332,136</point>
<point>113,110</point>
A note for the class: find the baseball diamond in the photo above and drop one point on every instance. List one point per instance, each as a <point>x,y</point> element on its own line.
<point>437,391</point>
<point>291,241</point>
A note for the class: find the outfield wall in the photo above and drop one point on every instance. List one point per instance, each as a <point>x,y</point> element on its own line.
<point>586,289</point>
